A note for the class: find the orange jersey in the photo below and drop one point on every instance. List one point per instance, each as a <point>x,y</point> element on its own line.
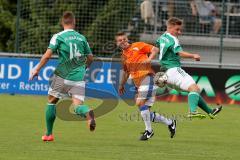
<point>133,58</point>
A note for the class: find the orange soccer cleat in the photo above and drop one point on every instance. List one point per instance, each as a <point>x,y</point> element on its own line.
<point>48,138</point>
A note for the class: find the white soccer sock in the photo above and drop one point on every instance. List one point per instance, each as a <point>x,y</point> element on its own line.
<point>146,118</point>
<point>160,118</point>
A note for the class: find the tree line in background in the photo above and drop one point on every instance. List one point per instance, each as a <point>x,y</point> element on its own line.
<point>98,20</point>
<point>8,10</point>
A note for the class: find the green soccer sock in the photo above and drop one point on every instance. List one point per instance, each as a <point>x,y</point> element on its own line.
<point>82,110</point>
<point>50,117</point>
<point>203,105</point>
<point>193,98</point>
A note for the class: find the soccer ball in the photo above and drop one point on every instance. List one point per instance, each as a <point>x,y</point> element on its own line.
<point>160,79</point>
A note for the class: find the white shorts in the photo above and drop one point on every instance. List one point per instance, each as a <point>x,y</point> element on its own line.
<point>147,90</point>
<point>178,79</point>
<point>61,88</point>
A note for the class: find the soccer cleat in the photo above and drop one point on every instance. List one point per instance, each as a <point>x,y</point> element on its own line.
<point>215,112</point>
<point>172,128</point>
<point>146,135</point>
<point>91,120</point>
<point>196,115</point>
<point>48,138</point>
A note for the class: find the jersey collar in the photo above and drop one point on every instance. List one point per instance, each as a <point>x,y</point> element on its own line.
<point>170,34</point>
<point>68,29</point>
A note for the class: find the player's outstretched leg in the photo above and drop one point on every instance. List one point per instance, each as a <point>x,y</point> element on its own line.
<point>211,112</point>
<point>50,118</point>
<point>215,111</point>
<point>84,111</point>
<point>145,113</point>
<point>193,100</point>
<point>172,128</point>
<point>91,120</point>
<point>172,124</point>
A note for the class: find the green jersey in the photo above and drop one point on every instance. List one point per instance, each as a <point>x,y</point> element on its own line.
<point>169,48</point>
<point>72,49</point>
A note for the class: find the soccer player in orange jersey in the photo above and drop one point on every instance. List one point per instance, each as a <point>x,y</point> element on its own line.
<point>136,61</point>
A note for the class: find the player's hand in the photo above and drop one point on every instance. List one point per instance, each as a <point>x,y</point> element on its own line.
<point>196,57</point>
<point>121,90</point>
<point>147,61</point>
<point>34,74</point>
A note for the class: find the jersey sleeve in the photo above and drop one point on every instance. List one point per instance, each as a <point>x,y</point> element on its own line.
<point>157,43</point>
<point>53,43</point>
<point>163,46</point>
<point>87,49</point>
<point>146,49</point>
<point>177,48</point>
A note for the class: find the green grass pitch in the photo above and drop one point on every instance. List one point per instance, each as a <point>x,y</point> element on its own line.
<point>116,138</point>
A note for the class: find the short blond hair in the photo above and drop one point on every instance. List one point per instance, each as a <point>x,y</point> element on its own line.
<point>174,21</point>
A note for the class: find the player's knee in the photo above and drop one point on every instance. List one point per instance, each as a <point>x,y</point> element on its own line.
<point>140,102</point>
<point>77,101</point>
<point>194,88</point>
<point>52,100</point>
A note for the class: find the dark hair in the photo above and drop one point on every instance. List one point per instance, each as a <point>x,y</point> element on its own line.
<point>120,34</point>
<point>174,21</point>
<point>68,17</point>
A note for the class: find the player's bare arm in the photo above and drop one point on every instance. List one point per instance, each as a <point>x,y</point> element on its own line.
<point>124,79</point>
<point>89,60</point>
<point>184,54</point>
<point>47,55</point>
<point>152,54</point>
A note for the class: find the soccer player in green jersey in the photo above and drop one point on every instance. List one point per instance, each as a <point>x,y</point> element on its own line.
<point>169,57</point>
<point>68,80</point>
